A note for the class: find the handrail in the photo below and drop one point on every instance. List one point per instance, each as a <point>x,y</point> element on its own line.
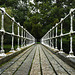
<point>25,35</point>
<point>48,38</point>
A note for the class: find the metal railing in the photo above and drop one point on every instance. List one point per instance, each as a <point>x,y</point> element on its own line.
<point>50,39</point>
<point>23,36</point>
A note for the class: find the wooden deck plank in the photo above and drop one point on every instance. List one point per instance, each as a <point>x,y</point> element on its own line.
<point>46,67</point>
<point>39,61</point>
<point>68,68</point>
<point>36,64</point>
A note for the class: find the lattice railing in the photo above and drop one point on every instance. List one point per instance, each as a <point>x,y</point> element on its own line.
<point>23,37</point>
<point>52,37</point>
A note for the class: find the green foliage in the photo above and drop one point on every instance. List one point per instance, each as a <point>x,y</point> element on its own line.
<point>39,17</point>
<point>8,3</point>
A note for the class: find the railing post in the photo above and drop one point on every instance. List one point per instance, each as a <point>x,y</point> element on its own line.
<point>49,38</point>
<point>42,41</point>
<point>56,40</point>
<point>53,38</point>
<point>12,48</point>
<point>18,48</point>
<point>26,38</point>
<point>61,50</point>
<point>22,37</point>
<point>33,40</point>
<point>2,52</point>
<point>71,31</point>
<point>30,40</point>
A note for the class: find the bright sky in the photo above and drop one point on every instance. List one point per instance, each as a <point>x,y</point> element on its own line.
<point>32,1</point>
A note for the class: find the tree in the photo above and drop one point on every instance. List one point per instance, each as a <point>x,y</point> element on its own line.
<point>20,11</point>
<point>8,3</point>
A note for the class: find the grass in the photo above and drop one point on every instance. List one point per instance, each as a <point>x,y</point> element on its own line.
<point>38,42</point>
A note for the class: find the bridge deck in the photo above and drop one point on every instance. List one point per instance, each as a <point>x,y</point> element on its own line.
<point>36,60</point>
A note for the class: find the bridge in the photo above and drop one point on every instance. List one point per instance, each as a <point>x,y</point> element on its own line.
<point>29,58</point>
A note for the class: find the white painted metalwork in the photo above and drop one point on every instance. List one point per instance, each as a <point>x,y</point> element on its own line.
<point>12,49</point>
<point>18,48</point>
<point>53,39</point>
<point>45,37</point>
<point>61,50</point>
<point>2,33</point>
<point>23,36</point>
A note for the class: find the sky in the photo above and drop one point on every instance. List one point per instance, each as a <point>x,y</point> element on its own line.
<point>32,1</point>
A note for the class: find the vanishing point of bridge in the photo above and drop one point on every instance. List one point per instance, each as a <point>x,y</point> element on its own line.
<point>36,59</point>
